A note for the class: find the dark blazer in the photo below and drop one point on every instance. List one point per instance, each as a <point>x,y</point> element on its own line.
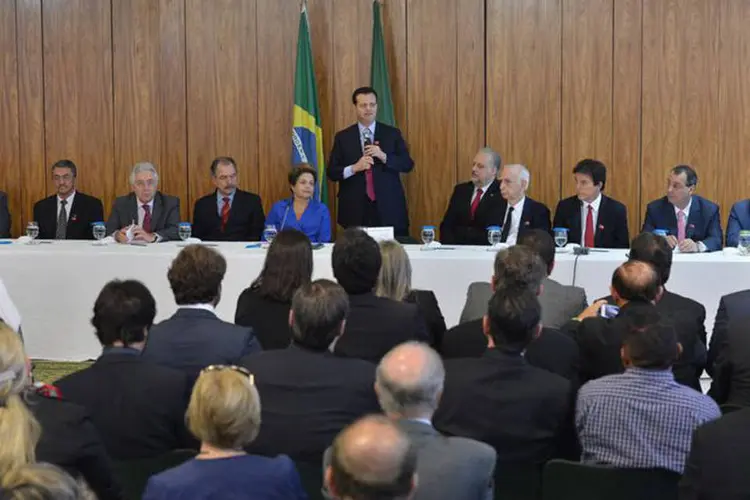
<point>732,306</point>
<point>70,440</point>
<point>520,410</point>
<point>83,213</point>
<point>194,338</point>
<point>458,228</point>
<point>612,222</point>
<point>165,218</point>
<point>739,219</point>
<point>307,398</point>
<point>246,218</point>
<point>535,215</point>
<point>376,325</point>
<point>430,310</point>
<point>4,216</point>
<point>731,373</point>
<point>121,391</point>
<point>703,222</point>
<point>716,468</point>
<point>552,350</point>
<point>268,318</point>
<point>391,202</point>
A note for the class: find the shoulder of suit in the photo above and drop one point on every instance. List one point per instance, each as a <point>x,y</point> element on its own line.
<point>707,202</point>
<point>468,446</point>
<point>613,202</point>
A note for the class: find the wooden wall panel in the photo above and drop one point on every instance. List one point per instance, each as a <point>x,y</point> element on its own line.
<point>222,90</point>
<point>524,54</point>
<point>10,173</point>
<point>78,91</point>
<point>680,93</point>
<point>149,92</point>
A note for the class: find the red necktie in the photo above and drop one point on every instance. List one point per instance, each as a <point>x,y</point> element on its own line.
<point>475,203</point>
<point>147,218</point>
<point>589,242</point>
<point>224,213</point>
<point>370,183</point>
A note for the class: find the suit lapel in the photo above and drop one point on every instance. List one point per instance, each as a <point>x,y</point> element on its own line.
<point>693,220</point>
<point>526,214</point>
<point>601,223</point>
<point>51,214</point>
<point>575,221</point>
<point>157,212</point>
<point>73,216</point>
<point>492,192</point>
<point>133,209</point>
<point>670,217</point>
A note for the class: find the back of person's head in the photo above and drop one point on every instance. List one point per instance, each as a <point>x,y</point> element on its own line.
<point>519,267</point>
<point>288,266</point>
<point>409,381</point>
<point>636,281</point>
<point>123,313</point>
<point>654,249</point>
<point>41,482</point>
<point>649,340</point>
<point>224,409</point>
<point>513,317</point>
<point>19,430</point>
<point>196,275</point>
<point>318,314</point>
<point>356,261</point>
<point>594,169</point>
<point>394,280</point>
<point>542,244</point>
<point>372,459</point>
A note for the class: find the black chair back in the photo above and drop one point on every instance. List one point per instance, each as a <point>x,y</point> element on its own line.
<point>518,481</point>
<point>133,475</point>
<point>727,408</point>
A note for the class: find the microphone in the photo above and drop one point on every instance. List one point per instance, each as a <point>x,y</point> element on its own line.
<point>286,212</point>
<point>367,136</point>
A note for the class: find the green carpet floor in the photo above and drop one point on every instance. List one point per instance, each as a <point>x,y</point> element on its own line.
<point>50,371</point>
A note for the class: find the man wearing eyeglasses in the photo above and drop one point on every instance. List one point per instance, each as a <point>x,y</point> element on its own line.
<point>229,213</point>
<point>68,214</point>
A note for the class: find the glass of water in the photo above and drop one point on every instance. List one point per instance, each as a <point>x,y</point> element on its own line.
<point>99,230</point>
<point>428,235</point>
<point>743,245</point>
<point>269,233</point>
<point>661,232</point>
<point>493,235</point>
<point>32,230</point>
<point>184,230</point>
<point>561,236</point>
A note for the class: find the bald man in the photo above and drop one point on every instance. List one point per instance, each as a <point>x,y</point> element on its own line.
<point>520,213</point>
<point>409,383</point>
<point>372,457</point>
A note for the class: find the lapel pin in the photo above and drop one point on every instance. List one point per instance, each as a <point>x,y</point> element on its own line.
<point>601,227</point>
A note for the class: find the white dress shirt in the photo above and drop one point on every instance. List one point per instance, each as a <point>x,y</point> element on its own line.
<point>515,221</point>
<point>686,211</point>
<point>203,307</point>
<point>68,204</point>
<point>349,171</point>
<point>594,216</point>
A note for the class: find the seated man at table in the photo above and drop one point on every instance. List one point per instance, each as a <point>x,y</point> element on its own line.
<point>739,220</point>
<point>591,218</point>
<point>194,337</point>
<point>68,214</point>
<point>229,213</point>
<point>145,215</point>
<point>693,223</point>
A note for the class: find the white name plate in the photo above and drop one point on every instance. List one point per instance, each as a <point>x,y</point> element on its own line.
<point>380,233</point>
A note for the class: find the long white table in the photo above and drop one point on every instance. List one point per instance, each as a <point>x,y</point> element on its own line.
<point>54,285</point>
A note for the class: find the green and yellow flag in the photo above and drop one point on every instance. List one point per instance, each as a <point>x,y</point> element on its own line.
<point>379,78</point>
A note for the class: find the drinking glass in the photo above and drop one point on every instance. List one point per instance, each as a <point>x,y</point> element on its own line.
<point>269,233</point>
<point>661,232</point>
<point>32,230</point>
<point>743,245</point>
<point>494,234</point>
<point>428,235</point>
<point>184,230</point>
<point>99,230</point>
<point>561,236</point>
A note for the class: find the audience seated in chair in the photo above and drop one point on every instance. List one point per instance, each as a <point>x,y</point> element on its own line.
<point>194,337</point>
<point>224,414</point>
<point>308,393</point>
<point>264,305</point>
<point>138,407</point>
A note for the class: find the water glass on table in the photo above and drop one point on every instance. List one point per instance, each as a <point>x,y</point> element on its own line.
<point>494,235</point>
<point>743,244</point>
<point>100,231</point>
<point>269,233</point>
<point>561,236</point>
<point>32,231</point>
<point>428,236</point>
<point>184,230</point>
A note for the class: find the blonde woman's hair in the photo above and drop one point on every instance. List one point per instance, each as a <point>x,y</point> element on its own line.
<point>19,430</point>
<point>41,482</point>
<point>394,281</point>
<point>224,409</point>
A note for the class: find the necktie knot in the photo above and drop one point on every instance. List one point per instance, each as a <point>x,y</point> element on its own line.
<point>226,200</point>
<point>63,202</point>
<point>146,208</point>
<point>479,191</point>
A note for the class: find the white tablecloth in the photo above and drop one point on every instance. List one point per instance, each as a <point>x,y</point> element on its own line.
<point>54,285</point>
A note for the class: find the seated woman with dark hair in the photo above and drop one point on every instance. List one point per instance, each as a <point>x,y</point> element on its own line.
<point>302,211</point>
<point>264,306</point>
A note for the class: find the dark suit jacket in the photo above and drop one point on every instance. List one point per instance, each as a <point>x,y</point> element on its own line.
<point>246,218</point>
<point>391,202</point>
<point>732,306</point>
<point>194,338</point>
<point>70,440</point>
<point>703,222</point>
<point>731,377</point>
<point>376,325</point>
<point>268,318</point>
<point>716,468</point>
<point>85,211</point>
<point>4,216</point>
<point>522,411</point>
<point>138,407</point>
<point>430,310</point>
<point>307,398</point>
<point>612,222</point>
<point>739,219</point>
<point>165,218</point>
<point>535,215</point>
<point>552,350</point>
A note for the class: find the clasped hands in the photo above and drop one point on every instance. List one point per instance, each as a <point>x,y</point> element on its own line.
<point>137,234</point>
<point>686,246</point>
<point>372,151</point>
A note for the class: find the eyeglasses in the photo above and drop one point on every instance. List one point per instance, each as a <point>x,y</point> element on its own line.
<point>66,178</point>
<point>239,369</point>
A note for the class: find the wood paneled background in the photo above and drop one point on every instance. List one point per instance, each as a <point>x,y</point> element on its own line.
<point>639,84</point>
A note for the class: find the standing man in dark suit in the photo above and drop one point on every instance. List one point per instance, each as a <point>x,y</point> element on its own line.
<point>68,214</point>
<point>693,222</point>
<point>375,324</point>
<point>4,216</point>
<point>137,407</point>
<point>228,214</point>
<point>367,160</point>
<point>593,219</point>
<point>146,214</point>
<point>194,337</point>
<point>308,393</point>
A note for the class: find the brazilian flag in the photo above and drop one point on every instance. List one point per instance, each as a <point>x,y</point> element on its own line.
<point>307,135</point>
<point>379,78</point>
